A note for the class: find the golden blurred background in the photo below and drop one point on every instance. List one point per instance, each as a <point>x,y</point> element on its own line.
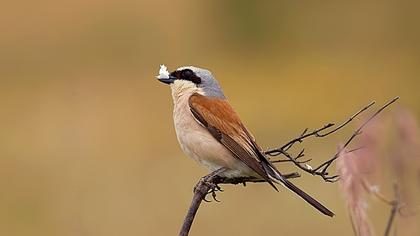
<point>87,145</point>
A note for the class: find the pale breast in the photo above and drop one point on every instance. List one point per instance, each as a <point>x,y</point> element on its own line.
<point>199,144</point>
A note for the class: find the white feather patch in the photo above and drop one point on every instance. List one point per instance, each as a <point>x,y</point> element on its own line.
<point>163,72</point>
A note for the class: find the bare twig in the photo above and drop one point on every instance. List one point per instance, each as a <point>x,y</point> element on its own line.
<point>316,133</point>
<point>326,164</point>
<point>322,170</point>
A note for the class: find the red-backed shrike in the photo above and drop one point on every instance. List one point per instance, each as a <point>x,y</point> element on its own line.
<point>210,131</point>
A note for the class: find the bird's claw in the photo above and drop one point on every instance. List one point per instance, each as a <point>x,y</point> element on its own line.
<point>207,185</point>
<point>213,188</point>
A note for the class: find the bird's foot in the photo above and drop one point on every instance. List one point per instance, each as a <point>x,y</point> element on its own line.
<point>207,185</point>
<point>213,189</point>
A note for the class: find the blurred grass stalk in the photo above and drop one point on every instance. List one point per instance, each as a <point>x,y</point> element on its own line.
<point>356,168</point>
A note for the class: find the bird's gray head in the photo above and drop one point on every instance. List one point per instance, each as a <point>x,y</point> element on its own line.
<point>190,79</point>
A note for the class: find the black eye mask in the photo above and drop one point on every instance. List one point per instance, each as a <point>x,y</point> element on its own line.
<point>187,74</point>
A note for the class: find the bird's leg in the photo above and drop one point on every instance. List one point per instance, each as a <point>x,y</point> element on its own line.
<point>208,185</point>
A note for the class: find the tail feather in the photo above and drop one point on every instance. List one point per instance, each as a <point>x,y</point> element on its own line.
<point>276,176</point>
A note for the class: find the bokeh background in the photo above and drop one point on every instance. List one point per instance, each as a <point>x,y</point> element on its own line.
<point>87,145</point>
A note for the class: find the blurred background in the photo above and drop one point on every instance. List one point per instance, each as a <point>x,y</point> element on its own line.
<point>87,145</point>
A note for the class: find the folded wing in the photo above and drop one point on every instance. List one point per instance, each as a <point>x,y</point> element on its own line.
<point>219,118</point>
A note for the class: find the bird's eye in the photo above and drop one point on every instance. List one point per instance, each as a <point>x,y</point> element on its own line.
<point>196,80</point>
<point>189,75</point>
<point>186,74</point>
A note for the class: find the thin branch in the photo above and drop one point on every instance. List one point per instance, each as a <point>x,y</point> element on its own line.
<point>349,120</point>
<point>210,185</point>
<point>317,132</point>
<point>200,191</point>
<point>326,164</point>
<point>322,170</point>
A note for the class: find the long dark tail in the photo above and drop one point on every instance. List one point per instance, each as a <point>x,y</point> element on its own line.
<point>276,175</point>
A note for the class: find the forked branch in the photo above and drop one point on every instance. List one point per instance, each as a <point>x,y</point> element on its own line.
<point>328,129</point>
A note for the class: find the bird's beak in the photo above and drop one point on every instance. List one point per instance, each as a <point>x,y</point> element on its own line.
<point>167,80</point>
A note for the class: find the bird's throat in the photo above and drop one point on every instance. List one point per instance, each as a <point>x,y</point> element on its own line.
<point>182,89</point>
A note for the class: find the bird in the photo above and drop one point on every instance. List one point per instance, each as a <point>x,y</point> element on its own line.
<point>210,131</point>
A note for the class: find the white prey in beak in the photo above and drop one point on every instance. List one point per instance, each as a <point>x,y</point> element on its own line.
<point>163,73</point>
